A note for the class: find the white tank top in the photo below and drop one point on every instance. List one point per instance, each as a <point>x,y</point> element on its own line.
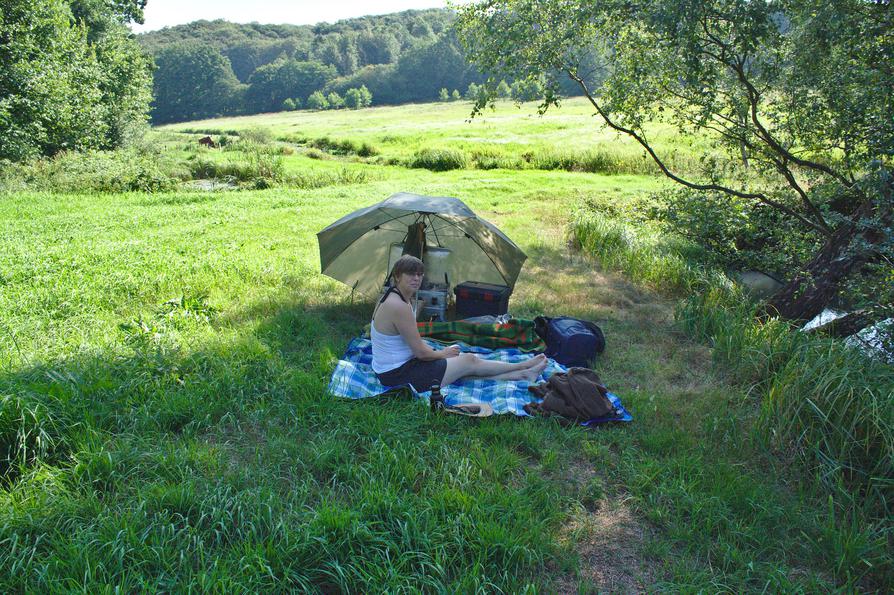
<point>389,351</point>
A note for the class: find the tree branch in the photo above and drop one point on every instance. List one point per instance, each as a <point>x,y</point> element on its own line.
<point>707,187</point>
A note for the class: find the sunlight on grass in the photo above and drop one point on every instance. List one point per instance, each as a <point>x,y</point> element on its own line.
<point>165,425</point>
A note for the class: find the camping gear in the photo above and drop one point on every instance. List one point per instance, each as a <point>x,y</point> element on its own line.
<point>570,341</point>
<point>577,394</point>
<point>518,333</point>
<point>434,304</point>
<point>474,298</point>
<point>357,249</point>
<point>436,262</point>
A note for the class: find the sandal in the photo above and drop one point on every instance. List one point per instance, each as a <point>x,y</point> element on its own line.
<point>469,410</point>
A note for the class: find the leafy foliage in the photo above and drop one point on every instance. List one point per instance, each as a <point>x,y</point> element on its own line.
<point>793,94</point>
<point>69,79</point>
<point>194,81</point>
<point>400,57</point>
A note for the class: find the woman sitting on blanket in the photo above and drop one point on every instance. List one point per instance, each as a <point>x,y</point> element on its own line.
<point>400,356</point>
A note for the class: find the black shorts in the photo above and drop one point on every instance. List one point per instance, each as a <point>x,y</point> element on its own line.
<point>421,374</point>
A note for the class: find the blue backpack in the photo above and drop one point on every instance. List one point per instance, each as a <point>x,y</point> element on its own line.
<point>570,341</point>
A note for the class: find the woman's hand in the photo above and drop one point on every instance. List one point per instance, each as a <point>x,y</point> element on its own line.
<point>451,351</point>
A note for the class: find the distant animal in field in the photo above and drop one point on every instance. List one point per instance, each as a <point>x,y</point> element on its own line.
<point>208,142</point>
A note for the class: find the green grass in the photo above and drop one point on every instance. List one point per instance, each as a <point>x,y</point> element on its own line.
<point>165,416</point>
<point>509,137</point>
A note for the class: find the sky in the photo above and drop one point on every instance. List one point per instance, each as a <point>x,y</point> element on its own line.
<point>167,13</point>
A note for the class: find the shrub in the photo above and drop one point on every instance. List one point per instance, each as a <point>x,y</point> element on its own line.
<point>455,96</point>
<point>443,95</point>
<point>317,101</point>
<point>93,171</point>
<point>736,233</point>
<point>257,167</point>
<point>472,92</point>
<point>440,159</point>
<point>490,159</point>
<point>335,101</point>
<point>257,135</point>
<point>344,147</point>
<point>503,91</point>
<point>358,97</point>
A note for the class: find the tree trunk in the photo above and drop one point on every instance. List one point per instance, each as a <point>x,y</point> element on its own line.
<point>810,291</point>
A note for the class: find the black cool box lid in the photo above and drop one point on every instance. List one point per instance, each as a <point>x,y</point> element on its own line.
<point>486,292</point>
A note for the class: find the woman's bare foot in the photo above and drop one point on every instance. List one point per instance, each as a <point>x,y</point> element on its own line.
<point>531,373</point>
<point>535,361</point>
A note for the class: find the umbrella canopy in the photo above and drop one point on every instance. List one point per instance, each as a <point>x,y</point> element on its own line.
<point>356,249</point>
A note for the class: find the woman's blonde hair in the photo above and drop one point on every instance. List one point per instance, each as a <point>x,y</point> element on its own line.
<point>406,264</point>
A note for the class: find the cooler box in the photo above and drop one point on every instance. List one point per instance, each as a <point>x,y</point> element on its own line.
<point>480,299</point>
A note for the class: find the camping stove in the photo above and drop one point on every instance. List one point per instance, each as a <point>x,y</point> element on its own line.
<point>434,302</point>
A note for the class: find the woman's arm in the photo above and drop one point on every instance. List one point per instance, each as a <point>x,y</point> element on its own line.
<point>406,325</point>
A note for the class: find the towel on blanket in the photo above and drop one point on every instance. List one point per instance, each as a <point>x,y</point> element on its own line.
<point>516,332</point>
<point>353,378</point>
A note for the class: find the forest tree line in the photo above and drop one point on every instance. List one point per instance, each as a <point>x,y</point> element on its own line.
<point>215,68</point>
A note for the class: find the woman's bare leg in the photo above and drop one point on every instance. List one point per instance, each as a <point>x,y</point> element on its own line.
<point>469,364</point>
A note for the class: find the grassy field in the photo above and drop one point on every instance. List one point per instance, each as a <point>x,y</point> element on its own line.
<point>509,136</point>
<point>163,390</point>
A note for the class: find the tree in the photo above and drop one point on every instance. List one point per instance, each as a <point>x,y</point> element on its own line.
<point>335,100</point>
<point>455,96</point>
<point>356,98</point>
<point>366,97</point>
<point>423,71</point>
<point>379,47</point>
<point>67,81</point>
<point>194,81</point>
<point>317,100</point>
<point>527,89</point>
<point>339,51</point>
<point>272,83</point>
<point>796,94</point>
<point>443,94</point>
<point>503,91</point>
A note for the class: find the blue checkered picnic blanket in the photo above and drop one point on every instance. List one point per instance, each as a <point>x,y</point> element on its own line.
<point>353,378</point>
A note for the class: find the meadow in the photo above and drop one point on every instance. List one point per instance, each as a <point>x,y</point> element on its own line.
<point>166,354</point>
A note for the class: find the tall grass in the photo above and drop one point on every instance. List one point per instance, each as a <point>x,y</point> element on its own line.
<point>641,253</point>
<point>834,406</point>
<point>124,170</point>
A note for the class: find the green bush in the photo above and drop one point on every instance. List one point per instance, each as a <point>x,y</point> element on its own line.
<point>343,147</point>
<point>257,135</point>
<point>736,233</point>
<point>490,158</point>
<point>317,101</point>
<point>256,166</point>
<point>440,159</point>
<point>123,170</point>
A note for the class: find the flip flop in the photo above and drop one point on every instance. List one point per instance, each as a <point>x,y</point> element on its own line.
<point>469,410</point>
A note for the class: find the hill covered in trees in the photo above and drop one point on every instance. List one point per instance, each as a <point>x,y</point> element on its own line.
<point>214,68</point>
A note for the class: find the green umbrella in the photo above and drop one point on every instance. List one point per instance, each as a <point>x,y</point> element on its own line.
<point>356,249</point>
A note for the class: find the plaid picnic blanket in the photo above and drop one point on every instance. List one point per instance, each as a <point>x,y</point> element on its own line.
<point>353,378</point>
<point>517,332</point>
